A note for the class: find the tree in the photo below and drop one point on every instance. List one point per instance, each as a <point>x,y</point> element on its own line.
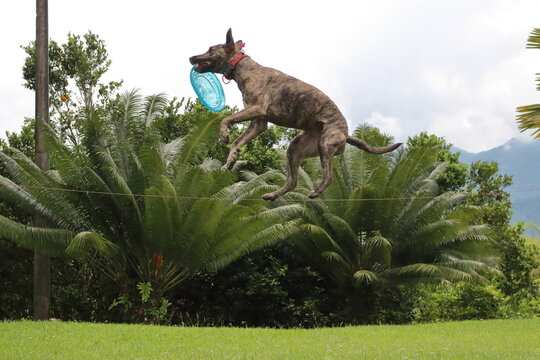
<point>76,69</point>
<point>23,141</point>
<point>487,188</point>
<point>143,212</point>
<point>455,175</point>
<point>529,115</point>
<point>385,222</point>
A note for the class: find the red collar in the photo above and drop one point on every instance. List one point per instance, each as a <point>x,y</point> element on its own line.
<point>230,67</point>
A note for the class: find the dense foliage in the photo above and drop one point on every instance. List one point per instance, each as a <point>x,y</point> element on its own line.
<point>141,211</point>
<point>156,231</point>
<point>397,226</point>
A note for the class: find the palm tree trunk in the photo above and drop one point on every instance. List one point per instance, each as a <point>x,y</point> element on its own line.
<point>42,272</point>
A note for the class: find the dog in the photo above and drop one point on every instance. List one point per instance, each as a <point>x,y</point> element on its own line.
<point>272,96</point>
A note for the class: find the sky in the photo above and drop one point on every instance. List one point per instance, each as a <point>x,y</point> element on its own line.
<point>456,69</point>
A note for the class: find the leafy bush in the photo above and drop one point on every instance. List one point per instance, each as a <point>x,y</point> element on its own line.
<point>15,281</point>
<point>465,301</point>
<point>265,289</point>
<point>522,305</point>
<point>148,308</point>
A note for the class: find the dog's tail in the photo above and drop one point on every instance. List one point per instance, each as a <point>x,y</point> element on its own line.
<point>362,145</point>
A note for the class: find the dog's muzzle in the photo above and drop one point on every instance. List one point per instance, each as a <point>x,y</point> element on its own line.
<point>200,65</point>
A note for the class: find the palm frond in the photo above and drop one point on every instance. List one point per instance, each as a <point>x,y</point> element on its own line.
<point>170,150</point>
<point>151,107</point>
<point>251,189</point>
<point>87,241</point>
<point>50,241</point>
<point>476,233</point>
<point>418,270</point>
<point>161,213</point>
<point>15,195</point>
<point>304,179</point>
<point>267,237</point>
<point>196,142</point>
<point>195,240</point>
<point>153,166</point>
<point>529,115</point>
<point>534,39</point>
<point>365,277</point>
<point>430,210</point>
<point>474,267</point>
<point>77,173</point>
<point>39,184</point>
<point>209,164</point>
<point>288,212</point>
<point>125,203</point>
<point>320,238</point>
<point>529,119</point>
<point>335,259</point>
<point>342,229</point>
<point>130,102</point>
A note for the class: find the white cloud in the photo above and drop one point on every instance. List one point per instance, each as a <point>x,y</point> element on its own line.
<point>478,112</point>
<point>387,124</point>
<point>471,129</point>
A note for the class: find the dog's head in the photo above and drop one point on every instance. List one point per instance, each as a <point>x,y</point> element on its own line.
<point>217,57</point>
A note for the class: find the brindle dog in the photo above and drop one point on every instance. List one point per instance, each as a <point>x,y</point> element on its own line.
<point>272,96</point>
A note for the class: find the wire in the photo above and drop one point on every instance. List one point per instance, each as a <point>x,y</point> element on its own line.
<point>187,197</point>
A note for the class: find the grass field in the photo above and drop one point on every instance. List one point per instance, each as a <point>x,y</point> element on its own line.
<point>497,339</point>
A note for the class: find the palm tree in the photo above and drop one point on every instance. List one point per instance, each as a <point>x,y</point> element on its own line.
<point>385,222</point>
<point>138,209</point>
<point>529,115</point>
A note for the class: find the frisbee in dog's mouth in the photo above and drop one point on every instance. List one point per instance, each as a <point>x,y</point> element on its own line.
<point>208,89</point>
<point>201,66</point>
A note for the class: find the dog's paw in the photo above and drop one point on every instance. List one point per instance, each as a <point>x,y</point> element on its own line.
<point>224,139</point>
<point>314,194</point>
<point>270,196</point>
<point>229,164</point>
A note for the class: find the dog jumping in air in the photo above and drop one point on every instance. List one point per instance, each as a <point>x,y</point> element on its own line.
<point>272,96</point>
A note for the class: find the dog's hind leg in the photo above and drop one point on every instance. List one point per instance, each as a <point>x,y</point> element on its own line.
<point>331,143</point>
<point>304,145</point>
<point>255,128</point>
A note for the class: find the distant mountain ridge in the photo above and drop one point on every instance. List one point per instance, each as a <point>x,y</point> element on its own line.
<point>521,160</point>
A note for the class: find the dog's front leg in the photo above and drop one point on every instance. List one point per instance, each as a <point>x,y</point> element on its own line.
<point>251,112</point>
<point>255,128</point>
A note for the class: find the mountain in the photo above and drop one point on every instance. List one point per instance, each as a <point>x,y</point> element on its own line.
<point>521,160</point>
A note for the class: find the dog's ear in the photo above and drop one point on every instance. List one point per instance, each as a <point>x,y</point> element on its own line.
<point>230,41</point>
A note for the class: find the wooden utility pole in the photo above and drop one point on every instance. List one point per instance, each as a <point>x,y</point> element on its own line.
<point>42,270</point>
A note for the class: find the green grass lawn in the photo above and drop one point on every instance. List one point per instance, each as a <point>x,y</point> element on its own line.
<point>496,339</point>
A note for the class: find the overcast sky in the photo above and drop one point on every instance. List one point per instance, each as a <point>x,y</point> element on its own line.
<point>456,69</point>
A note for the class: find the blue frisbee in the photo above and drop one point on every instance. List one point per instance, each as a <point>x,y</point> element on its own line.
<point>208,89</point>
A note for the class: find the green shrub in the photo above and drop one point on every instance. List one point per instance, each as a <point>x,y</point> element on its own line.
<point>266,289</point>
<point>521,305</point>
<point>462,301</point>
